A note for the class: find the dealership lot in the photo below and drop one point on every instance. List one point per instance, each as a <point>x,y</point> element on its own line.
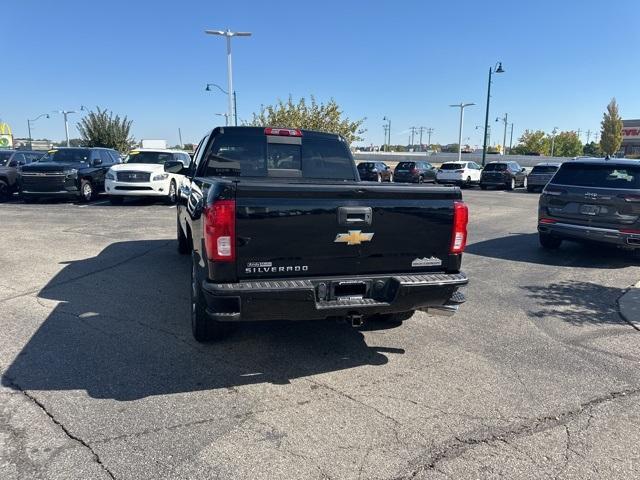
<point>536,376</point>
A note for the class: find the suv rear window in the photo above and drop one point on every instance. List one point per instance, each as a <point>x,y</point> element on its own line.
<point>604,176</point>
<point>451,166</point>
<point>544,169</point>
<point>251,156</point>
<point>366,166</point>
<point>405,165</point>
<point>495,167</point>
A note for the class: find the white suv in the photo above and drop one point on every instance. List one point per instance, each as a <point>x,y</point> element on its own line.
<point>459,173</point>
<point>143,175</point>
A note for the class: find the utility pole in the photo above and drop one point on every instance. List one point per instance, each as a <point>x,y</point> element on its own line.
<point>228,34</point>
<point>511,139</point>
<point>421,130</point>
<point>461,106</point>
<point>429,132</point>
<point>386,130</point>
<point>588,135</point>
<point>578,132</point>
<point>413,132</point>
<point>180,137</point>
<point>553,139</point>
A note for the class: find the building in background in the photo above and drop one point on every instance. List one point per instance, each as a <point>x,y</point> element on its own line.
<point>631,137</point>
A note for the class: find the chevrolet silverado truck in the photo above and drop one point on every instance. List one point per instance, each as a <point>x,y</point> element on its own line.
<point>280,227</point>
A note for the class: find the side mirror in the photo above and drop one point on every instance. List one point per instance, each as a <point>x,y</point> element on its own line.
<point>96,162</point>
<point>173,166</point>
<point>523,169</point>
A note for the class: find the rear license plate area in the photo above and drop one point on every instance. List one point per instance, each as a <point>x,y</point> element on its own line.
<point>350,290</point>
<point>589,209</point>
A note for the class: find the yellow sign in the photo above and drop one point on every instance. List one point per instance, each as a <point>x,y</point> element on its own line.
<point>354,237</point>
<point>6,138</point>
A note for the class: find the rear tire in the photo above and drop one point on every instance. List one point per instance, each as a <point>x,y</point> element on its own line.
<point>203,328</point>
<point>4,191</point>
<point>183,241</point>
<point>549,242</point>
<point>116,200</point>
<point>468,182</point>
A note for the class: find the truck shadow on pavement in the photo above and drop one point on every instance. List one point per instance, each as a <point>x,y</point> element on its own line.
<point>524,247</point>
<point>119,328</point>
<point>577,303</point>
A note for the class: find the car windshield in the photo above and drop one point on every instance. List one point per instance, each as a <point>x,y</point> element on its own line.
<point>71,155</point>
<point>366,166</point>
<point>544,169</point>
<point>604,176</point>
<point>4,158</point>
<point>495,167</point>
<point>405,165</point>
<point>156,158</point>
<point>452,166</point>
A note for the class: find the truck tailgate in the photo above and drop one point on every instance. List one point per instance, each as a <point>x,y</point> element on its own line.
<point>289,229</point>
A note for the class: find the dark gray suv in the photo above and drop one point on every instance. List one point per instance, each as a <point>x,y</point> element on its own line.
<point>594,200</point>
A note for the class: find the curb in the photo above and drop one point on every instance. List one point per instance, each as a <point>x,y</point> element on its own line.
<point>629,305</point>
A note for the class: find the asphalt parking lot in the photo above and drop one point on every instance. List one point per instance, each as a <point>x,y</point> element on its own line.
<point>537,376</point>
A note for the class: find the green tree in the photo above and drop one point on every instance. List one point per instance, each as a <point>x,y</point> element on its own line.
<point>611,132</point>
<point>592,149</point>
<point>325,117</point>
<point>533,142</point>
<point>102,129</point>
<point>567,144</point>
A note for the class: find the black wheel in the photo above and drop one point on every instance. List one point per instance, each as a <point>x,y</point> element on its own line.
<point>116,199</point>
<point>4,191</point>
<point>483,187</point>
<point>511,185</point>
<point>467,183</point>
<point>171,197</point>
<point>183,241</point>
<point>86,190</point>
<point>549,242</point>
<point>203,328</point>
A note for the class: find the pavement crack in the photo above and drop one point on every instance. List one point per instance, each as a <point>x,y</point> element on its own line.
<point>460,445</point>
<point>66,431</point>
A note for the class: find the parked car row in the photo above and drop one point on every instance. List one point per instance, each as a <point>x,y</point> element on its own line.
<point>405,172</point>
<point>83,173</point>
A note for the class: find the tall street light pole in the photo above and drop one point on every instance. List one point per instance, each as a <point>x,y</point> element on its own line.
<point>461,106</point>
<point>229,34</point>
<point>66,114</point>
<point>29,122</point>
<point>511,139</point>
<point>496,69</point>
<point>504,120</point>
<point>553,139</point>
<point>235,105</point>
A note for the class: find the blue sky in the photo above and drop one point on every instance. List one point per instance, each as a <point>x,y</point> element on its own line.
<point>407,60</point>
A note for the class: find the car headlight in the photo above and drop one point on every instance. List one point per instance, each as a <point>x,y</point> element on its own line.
<point>162,176</point>
<point>110,175</point>
<point>72,172</point>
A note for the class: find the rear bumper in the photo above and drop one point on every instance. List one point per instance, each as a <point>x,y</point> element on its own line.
<point>592,234</point>
<point>399,178</point>
<point>315,299</point>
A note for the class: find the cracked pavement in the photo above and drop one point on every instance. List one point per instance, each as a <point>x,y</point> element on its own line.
<point>536,377</point>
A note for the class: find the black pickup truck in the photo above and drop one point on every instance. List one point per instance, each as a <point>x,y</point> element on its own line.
<point>280,227</point>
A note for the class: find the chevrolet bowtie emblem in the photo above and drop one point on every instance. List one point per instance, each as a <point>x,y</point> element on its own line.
<point>354,237</point>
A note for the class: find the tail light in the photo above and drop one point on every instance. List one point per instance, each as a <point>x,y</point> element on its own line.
<point>283,132</point>
<point>459,234</point>
<point>630,230</point>
<point>220,231</point>
<point>547,220</point>
<point>631,198</point>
